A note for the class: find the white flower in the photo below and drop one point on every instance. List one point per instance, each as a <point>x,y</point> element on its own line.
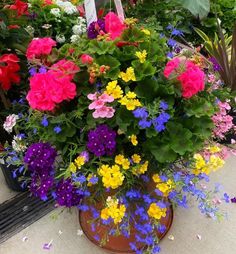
<point>18,145</point>
<point>66,6</point>
<point>78,29</point>
<point>56,12</point>
<point>46,26</point>
<point>75,38</point>
<point>60,38</point>
<point>70,10</point>
<point>10,122</point>
<point>81,21</point>
<point>30,30</point>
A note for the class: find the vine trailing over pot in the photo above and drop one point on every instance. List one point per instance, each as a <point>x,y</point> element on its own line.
<point>121,132</point>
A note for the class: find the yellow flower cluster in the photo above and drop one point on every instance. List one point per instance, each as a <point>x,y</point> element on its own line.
<point>122,161</point>
<point>129,75</point>
<point>111,176</point>
<point>203,166</point>
<point>113,210</point>
<point>142,55</point>
<point>141,169</point>
<point>77,164</point>
<point>156,212</point>
<point>114,90</point>
<point>130,101</point>
<point>133,140</point>
<point>164,187</point>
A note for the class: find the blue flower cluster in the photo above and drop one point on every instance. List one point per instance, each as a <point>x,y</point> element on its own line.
<point>157,122</point>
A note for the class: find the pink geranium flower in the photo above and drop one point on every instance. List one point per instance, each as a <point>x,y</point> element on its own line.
<point>48,89</point>
<point>40,47</point>
<point>66,67</point>
<point>191,77</point>
<point>86,59</point>
<point>113,25</point>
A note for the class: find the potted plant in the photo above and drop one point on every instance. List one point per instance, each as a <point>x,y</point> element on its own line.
<point>123,134</point>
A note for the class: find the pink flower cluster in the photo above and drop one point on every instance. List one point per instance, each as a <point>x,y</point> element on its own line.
<point>222,121</point>
<point>51,88</point>
<point>113,25</point>
<point>40,47</point>
<point>99,104</point>
<point>192,78</point>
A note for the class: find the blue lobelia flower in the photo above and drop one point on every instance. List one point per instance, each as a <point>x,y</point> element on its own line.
<point>171,43</point>
<point>44,121</point>
<point>144,123</point>
<point>140,113</point>
<point>164,105</point>
<point>177,32</point>
<point>57,129</point>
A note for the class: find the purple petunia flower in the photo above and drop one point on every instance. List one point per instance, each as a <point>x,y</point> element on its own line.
<point>95,28</point>
<point>102,141</point>
<point>67,194</point>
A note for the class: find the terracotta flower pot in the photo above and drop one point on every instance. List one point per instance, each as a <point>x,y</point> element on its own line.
<point>117,244</point>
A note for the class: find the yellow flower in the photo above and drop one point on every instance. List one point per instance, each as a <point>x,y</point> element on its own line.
<point>142,55</point>
<point>136,158</point>
<point>215,162</point>
<point>156,178</point>
<point>214,149</point>
<point>111,176</point>
<point>80,161</point>
<point>146,31</point>
<point>114,90</point>
<point>199,161</point>
<point>119,159</point>
<point>113,210</point>
<point>72,168</point>
<point>143,168</point>
<point>131,95</point>
<point>133,140</point>
<point>156,212</point>
<point>126,164</point>
<point>129,75</point>
<point>105,215</point>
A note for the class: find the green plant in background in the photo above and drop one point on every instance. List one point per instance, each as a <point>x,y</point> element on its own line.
<point>158,14</point>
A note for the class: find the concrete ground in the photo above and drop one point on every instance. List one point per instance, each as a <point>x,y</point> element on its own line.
<point>216,237</point>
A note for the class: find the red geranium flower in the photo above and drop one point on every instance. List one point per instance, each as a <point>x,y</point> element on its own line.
<point>8,71</point>
<point>20,7</point>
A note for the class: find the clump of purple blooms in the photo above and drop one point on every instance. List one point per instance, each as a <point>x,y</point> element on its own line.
<point>157,122</point>
<point>67,194</point>
<point>102,141</point>
<point>95,28</point>
<point>40,158</point>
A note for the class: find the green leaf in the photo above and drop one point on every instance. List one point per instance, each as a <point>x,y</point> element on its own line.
<point>123,118</point>
<point>161,151</point>
<point>147,89</point>
<point>180,138</point>
<point>199,8</point>
<point>101,47</point>
<point>143,70</point>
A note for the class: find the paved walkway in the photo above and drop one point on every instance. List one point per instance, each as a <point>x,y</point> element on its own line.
<point>216,238</point>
